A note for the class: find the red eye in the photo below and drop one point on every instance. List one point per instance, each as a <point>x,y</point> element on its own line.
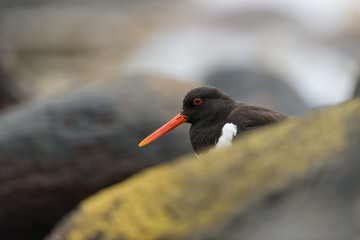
<point>197,101</point>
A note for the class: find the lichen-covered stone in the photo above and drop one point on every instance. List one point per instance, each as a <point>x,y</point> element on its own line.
<point>213,197</point>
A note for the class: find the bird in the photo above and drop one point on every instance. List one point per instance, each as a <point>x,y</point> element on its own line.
<point>216,119</point>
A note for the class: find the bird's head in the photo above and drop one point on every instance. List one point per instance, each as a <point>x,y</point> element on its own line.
<point>205,104</point>
<point>200,105</point>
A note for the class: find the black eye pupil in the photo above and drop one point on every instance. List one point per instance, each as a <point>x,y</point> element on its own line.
<point>197,101</point>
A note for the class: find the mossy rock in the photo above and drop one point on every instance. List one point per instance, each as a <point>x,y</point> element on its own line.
<point>281,177</point>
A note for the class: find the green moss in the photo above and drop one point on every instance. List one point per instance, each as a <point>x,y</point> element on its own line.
<point>193,196</point>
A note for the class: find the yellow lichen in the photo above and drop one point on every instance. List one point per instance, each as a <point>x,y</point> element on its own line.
<point>177,199</point>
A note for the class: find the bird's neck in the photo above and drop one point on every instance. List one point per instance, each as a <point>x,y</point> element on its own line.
<point>219,115</point>
<point>207,129</point>
<point>205,134</point>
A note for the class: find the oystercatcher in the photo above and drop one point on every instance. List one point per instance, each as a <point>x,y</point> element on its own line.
<point>215,119</point>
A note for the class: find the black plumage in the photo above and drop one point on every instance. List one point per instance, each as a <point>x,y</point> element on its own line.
<point>208,118</point>
<point>208,110</point>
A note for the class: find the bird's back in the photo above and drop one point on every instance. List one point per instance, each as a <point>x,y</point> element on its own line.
<point>242,118</point>
<point>247,117</point>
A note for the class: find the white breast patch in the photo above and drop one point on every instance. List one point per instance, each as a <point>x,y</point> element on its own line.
<point>229,131</point>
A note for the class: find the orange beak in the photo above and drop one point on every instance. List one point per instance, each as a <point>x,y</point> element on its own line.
<point>173,123</point>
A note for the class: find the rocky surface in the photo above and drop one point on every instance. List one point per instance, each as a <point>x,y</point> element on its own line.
<point>295,180</point>
<point>357,87</point>
<point>61,45</point>
<point>258,88</point>
<point>55,153</point>
<point>11,92</point>
<point>65,43</point>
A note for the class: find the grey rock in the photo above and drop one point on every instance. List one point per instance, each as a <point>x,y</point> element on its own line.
<point>256,88</point>
<point>55,153</point>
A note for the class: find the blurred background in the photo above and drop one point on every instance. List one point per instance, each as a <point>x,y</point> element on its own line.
<point>291,56</point>
<point>51,46</point>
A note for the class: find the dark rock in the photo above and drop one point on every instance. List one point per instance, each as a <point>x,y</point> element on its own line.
<point>357,87</point>
<point>10,90</point>
<point>55,153</point>
<point>295,180</point>
<point>258,89</point>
